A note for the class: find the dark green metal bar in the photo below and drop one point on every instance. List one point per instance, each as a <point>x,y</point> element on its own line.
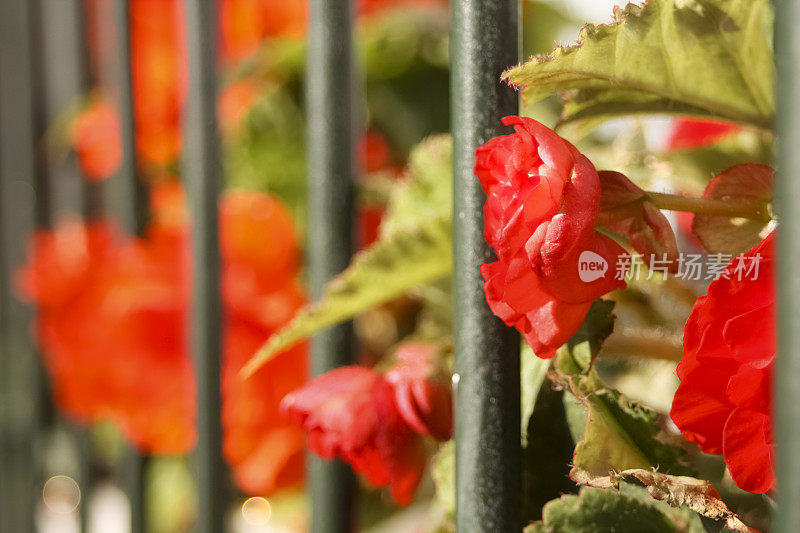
<point>484,42</point>
<point>24,206</point>
<point>203,171</point>
<point>787,372</point>
<point>135,214</point>
<point>133,210</point>
<point>92,208</point>
<point>43,209</point>
<point>92,193</point>
<point>331,170</point>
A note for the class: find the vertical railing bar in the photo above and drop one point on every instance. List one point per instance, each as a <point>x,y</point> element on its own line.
<point>91,192</point>
<point>6,442</point>
<point>24,206</point>
<point>44,214</point>
<point>135,209</point>
<point>44,412</point>
<point>43,206</point>
<point>92,208</point>
<point>43,209</point>
<point>136,187</point>
<point>484,42</point>
<point>134,471</point>
<point>787,194</point>
<point>5,398</point>
<point>203,172</point>
<point>331,171</point>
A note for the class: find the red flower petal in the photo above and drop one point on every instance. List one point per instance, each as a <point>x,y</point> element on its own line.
<point>624,210</point>
<point>748,450</point>
<point>696,133</point>
<point>515,295</point>
<point>701,406</point>
<point>565,282</point>
<point>350,413</point>
<point>422,391</point>
<point>724,400</point>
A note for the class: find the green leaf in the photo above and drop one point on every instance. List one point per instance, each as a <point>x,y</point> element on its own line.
<point>427,192</point>
<point>698,495</point>
<point>601,511</point>
<point>709,58</point>
<point>620,434</point>
<point>575,358</point>
<point>533,371</point>
<point>415,248</point>
<point>385,271</point>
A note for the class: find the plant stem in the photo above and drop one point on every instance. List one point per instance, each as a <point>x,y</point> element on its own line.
<point>739,207</point>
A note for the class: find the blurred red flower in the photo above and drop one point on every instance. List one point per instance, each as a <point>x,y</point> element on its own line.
<point>160,77</point>
<point>65,261</point>
<point>160,83</point>
<point>112,326</point>
<point>375,422</point>
<point>245,24</point>
<point>95,134</point>
<point>723,403</point>
<point>696,132</point>
<point>543,200</point>
<point>374,155</point>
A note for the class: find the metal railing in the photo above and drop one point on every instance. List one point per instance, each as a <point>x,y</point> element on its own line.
<point>331,113</point>
<point>22,210</point>
<point>787,193</point>
<point>484,41</point>
<point>203,174</point>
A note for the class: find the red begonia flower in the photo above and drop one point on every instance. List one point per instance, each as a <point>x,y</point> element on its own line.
<point>625,210</point>
<point>112,326</point>
<point>723,403</point>
<point>422,391</point>
<point>542,205</point>
<point>351,413</point>
<point>375,422</point>
<point>696,133</point>
<point>75,252</point>
<point>160,77</point>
